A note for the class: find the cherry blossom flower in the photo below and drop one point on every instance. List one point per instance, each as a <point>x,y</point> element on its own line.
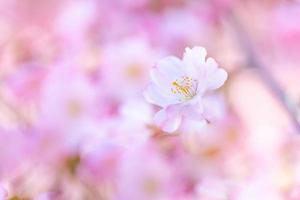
<point>179,86</point>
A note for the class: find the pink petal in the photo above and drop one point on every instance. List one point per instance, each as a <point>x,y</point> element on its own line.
<point>214,107</point>
<point>169,119</point>
<point>194,112</point>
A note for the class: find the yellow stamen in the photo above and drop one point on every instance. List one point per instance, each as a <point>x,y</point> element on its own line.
<point>186,87</point>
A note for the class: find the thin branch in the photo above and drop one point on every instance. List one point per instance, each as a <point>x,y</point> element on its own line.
<point>253,60</point>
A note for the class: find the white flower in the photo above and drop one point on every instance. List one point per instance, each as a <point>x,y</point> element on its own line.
<point>179,86</point>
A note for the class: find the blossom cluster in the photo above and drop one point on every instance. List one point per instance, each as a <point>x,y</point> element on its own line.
<point>148,100</point>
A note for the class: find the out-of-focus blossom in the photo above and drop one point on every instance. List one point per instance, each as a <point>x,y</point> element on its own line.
<point>180,86</point>
<point>68,98</point>
<point>132,129</point>
<point>17,150</point>
<point>44,196</point>
<point>26,83</point>
<point>129,62</point>
<point>286,31</point>
<point>213,189</point>
<point>3,193</point>
<point>67,113</point>
<point>258,189</point>
<point>100,161</point>
<point>175,36</point>
<point>144,177</point>
<point>76,18</point>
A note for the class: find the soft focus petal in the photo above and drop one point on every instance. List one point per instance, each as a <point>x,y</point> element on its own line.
<point>195,112</point>
<point>168,119</point>
<point>214,108</point>
<point>3,193</point>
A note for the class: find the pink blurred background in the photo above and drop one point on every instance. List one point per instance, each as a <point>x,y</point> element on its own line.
<point>74,124</point>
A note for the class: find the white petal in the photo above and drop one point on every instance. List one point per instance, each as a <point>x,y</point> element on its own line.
<point>169,119</point>
<point>154,96</point>
<point>171,67</point>
<point>194,111</point>
<point>161,81</point>
<point>214,107</point>
<point>211,64</point>
<point>197,54</point>
<point>216,79</point>
<point>193,59</point>
<point>204,70</point>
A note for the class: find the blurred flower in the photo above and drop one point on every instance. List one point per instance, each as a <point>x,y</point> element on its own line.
<point>75,18</point>
<point>286,30</point>
<point>180,86</point>
<point>43,196</point>
<point>67,112</point>
<point>131,127</point>
<point>144,174</point>
<point>68,98</point>
<point>100,161</point>
<point>16,153</point>
<point>172,31</point>
<point>212,189</point>
<point>26,82</point>
<point>3,193</point>
<point>125,67</point>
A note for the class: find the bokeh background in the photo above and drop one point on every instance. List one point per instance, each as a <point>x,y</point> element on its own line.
<point>74,124</point>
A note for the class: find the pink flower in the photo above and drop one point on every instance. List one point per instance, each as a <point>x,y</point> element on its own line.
<point>67,99</point>
<point>144,174</point>
<point>178,86</point>
<point>127,64</point>
<point>100,161</point>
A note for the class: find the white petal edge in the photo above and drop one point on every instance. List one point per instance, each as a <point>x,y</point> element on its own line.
<point>217,79</point>
<point>195,54</point>
<point>193,60</point>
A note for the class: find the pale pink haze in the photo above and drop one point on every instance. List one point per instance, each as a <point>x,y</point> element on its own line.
<point>179,87</point>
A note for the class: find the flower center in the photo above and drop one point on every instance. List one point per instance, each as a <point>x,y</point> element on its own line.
<point>185,88</point>
<point>74,108</point>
